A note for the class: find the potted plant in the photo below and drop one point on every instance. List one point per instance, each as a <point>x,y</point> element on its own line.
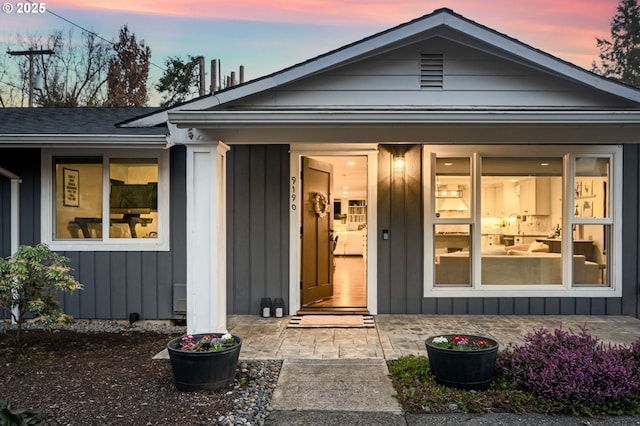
<point>204,361</point>
<point>462,361</point>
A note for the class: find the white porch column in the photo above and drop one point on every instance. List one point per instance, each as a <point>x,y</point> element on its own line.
<point>15,221</point>
<point>206,237</point>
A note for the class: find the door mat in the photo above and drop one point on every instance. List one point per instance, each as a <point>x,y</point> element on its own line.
<point>331,321</point>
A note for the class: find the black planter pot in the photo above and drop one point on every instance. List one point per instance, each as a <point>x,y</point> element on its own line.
<point>211,370</point>
<point>463,369</point>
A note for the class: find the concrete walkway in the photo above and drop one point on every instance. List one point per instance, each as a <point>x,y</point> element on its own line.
<point>339,375</point>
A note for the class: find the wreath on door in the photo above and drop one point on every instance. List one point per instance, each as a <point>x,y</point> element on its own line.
<point>320,204</point>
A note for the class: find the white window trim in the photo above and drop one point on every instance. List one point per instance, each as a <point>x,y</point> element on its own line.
<point>162,243</point>
<point>614,289</point>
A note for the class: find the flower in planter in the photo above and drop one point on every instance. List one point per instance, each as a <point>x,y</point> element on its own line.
<point>206,342</point>
<point>461,342</point>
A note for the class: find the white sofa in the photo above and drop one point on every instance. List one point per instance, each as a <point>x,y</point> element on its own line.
<point>351,242</point>
<point>514,267</point>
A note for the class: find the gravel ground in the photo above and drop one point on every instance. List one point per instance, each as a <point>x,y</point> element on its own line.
<point>102,372</point>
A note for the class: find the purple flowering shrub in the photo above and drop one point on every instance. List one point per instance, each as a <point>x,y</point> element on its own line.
<point>576,370</point>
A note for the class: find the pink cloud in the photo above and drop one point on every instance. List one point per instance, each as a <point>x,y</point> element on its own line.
<point>566,29</point>
<point>355,11</point>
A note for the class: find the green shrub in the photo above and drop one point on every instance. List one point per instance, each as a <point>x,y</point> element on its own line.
<point>30,281</point>
<point>18,417</point>
<point>418,392</point>
<point>553,373</point>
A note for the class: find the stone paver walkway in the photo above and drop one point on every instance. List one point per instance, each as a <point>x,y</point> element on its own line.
<point>397,335</point>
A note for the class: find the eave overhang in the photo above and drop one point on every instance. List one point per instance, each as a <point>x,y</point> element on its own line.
<point>83,141</point>
<point>307,118</point>
<point>414,126</point>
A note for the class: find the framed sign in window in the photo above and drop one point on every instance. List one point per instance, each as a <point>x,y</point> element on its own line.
<point>71,183</point>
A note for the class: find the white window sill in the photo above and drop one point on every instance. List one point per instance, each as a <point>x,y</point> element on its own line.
<point>138,244</point>
<point>524,291</point>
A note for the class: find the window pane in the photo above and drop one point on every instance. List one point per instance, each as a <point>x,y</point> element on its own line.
<point>590,253</point>
<point>453,184</point>
<point>78,192</point>
<point>452,244</point>
<point>521,208</point>
<point>591,188</point>
<point>133,198</point>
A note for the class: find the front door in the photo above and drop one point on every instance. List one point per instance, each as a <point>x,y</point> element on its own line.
<point>317,245</point>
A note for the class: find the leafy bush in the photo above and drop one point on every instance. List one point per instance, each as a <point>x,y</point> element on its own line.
<point>29,282</point>
<point>10,416</point>
<point>576,370</point>
<point>418,392</point>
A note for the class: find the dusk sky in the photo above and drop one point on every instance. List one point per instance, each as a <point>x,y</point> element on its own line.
<point>266,36</point>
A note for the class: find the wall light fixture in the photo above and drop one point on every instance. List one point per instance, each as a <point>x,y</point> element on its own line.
<point>398,164</point>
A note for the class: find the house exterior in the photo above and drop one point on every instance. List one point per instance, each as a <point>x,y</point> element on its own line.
<point>498,180</point>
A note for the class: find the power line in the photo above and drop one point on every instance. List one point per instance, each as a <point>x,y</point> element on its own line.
<point>31,53</point>
<point>90,32</point>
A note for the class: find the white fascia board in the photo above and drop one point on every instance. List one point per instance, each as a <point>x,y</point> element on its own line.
<point>391,37</point>
<point>10,175</point>
<point>220,119</point>
<point>407,32</point>
<point>160,117</point>
<point>541,59</point>
<point>296,72</point>
<point>88,140</point>
<point>147,121</point>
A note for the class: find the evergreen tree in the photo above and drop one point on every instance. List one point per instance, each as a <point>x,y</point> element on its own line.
<point>180,80</point>
<point>620,56</point>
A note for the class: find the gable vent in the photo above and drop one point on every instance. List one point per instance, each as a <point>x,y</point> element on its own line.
<point>431,71</point>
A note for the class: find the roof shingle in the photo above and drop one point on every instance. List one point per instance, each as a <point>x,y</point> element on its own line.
<point>83,120</point>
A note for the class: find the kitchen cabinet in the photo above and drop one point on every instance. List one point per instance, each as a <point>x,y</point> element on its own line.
<point>535,197</point>
<point>510,240</point>
<point>492,201</point>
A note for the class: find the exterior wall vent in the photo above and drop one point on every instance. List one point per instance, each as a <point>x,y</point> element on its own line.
<point>179,299</point>
<point>431,71</point>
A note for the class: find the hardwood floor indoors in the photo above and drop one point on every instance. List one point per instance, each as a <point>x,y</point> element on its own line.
<point>349,285</point>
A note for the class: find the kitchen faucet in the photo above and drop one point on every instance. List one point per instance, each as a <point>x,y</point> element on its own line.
<point>517,216</point>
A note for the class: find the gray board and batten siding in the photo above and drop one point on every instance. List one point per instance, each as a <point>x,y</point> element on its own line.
<point>117,283</point>
<point>24,162</point>
<point>257,226</point>
<point>400,270</point>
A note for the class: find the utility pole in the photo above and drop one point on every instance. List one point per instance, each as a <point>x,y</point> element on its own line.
<point>31,53</point>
